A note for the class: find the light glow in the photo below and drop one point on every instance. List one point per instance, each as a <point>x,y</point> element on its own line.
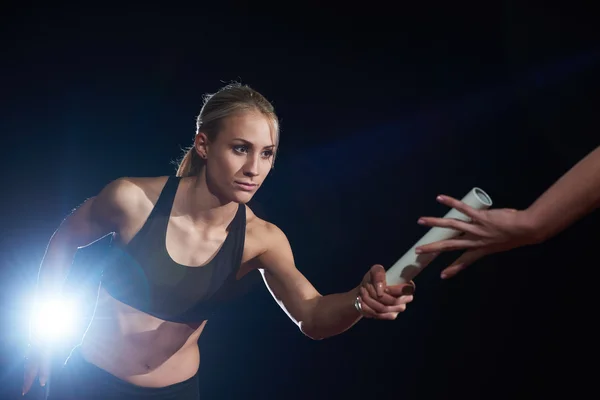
<point>54,320</point>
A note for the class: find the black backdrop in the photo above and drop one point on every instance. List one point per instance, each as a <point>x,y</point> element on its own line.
<point>382,108</point>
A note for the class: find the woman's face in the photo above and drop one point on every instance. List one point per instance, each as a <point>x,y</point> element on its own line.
<point>240,157</point>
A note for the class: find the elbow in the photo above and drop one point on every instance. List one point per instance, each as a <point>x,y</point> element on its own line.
<point>313,335</point>
<point>309,325</point>
<point>310,332</point>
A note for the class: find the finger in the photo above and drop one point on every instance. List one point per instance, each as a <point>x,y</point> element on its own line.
<point>403,300</point>
<point>462,263</point>
<point>371,290</point>
<point>387,299</point>
<point>376,306</point>
<point>44,371</point>
<point>366,311</point>
<point>379,307</point>
<point>458,205</point>
<point>452,271</point>
<point>31,372</point>
<point>393,310</point>
<point>371,312</point>
<point>464,243</point>
<point>387,316</point>
<point>403,289</point>
<point>451,223</point>
<point>378,278</point>
<point>373,304</point>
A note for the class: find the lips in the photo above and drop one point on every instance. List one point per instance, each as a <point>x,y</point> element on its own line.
<point>246,185</point>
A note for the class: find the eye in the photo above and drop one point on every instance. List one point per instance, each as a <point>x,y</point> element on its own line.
<point>242,149</point>
<point>267,154</point>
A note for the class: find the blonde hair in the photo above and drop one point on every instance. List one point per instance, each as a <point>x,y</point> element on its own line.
<point>229,100</point>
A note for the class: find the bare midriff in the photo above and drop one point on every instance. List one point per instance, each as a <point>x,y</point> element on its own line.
<point>140,348</point>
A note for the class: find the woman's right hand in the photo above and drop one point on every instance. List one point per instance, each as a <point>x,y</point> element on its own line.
<point>490,231</point>
<point>37,365</point>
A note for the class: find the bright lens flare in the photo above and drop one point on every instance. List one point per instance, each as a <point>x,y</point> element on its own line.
<point>55,319</point>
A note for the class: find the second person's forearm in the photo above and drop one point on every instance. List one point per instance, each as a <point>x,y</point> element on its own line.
<point>574,195</point>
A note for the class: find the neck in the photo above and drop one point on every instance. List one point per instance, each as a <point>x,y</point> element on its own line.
<point>203,206</point>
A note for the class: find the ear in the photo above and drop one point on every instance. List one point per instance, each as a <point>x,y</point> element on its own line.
<point>201,144</point>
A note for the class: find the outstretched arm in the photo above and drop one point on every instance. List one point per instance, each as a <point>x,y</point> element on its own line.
<point>574,195</point>
<point>320,316</point>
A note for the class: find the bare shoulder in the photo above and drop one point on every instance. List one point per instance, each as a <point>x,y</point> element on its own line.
<point>263,235</point>
<point>127,197</point>
<point>267,247</point>
<point>127,190</point>
<point>119,207</point>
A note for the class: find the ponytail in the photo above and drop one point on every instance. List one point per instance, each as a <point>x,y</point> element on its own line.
<point>190,164</point>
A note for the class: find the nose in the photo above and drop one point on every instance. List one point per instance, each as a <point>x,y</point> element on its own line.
<point>251,166</point>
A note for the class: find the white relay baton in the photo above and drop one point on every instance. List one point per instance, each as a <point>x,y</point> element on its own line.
<point>409,266</point>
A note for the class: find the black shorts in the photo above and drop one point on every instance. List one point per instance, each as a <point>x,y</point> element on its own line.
<point>81,380</point>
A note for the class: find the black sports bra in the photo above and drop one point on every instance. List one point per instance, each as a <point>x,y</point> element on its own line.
<point>144,276</point>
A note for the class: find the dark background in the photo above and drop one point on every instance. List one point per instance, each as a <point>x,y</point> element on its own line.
<point>382,107</point>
